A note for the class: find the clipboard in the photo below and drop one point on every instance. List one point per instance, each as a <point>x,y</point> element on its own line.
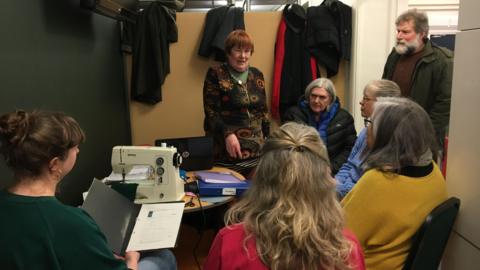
<point>129,226</point>
<point>218,177</point>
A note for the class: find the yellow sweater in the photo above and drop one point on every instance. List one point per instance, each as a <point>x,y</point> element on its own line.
<point>386,210</point>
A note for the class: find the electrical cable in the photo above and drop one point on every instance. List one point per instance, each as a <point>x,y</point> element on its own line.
<point>200,233</point>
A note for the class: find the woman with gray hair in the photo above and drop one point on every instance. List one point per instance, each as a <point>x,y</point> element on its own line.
<point>290,217</point>
<point>351,170</point>
<point>320,108</point>
<point>401,185</point>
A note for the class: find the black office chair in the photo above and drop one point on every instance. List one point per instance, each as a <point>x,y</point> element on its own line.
<point>431,239</point>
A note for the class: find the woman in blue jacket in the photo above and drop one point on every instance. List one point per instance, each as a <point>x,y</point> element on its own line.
<point>320,108</point>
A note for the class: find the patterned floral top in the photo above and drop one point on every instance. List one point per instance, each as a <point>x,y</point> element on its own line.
<point>235,107</point>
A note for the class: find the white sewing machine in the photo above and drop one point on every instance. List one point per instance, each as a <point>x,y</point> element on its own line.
<point>163,183</point>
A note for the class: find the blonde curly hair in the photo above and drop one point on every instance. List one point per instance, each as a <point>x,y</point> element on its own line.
<point>291,208</point>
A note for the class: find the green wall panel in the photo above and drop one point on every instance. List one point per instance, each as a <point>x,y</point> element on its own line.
<point>55,55</point>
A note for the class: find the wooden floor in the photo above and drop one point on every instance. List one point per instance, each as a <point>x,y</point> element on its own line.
<point>184,252</point>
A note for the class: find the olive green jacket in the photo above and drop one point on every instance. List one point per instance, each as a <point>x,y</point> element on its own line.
<point>431,83</point>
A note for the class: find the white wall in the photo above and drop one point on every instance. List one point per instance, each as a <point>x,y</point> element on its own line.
<point>442,14</point>
<point>463,174</point>
<point>373,38</point>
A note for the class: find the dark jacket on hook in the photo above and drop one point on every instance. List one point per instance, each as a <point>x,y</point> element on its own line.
<point>329,34</point>
<point>322,38</point>
<point>294,67</point>
<point>219,23</point>
<point>155,30</point>
<point>343,22</point>
<point>177,5</point>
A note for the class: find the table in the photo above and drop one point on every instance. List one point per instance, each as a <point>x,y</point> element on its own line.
<point>210,214</point>
<point>208,202</point>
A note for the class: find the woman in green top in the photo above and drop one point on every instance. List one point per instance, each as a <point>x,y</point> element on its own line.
<point>36,230</point>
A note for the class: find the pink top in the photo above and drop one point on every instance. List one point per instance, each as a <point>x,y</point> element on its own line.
<point>227,252</point>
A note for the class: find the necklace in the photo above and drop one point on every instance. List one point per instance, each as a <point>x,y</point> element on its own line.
<point>241,79</point>
<point>238,77</point>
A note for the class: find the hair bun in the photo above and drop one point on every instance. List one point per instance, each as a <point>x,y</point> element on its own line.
<point>14,127</point>
<point>300,148</point>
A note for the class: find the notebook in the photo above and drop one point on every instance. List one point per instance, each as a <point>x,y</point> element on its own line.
<point>220,184</point>
<point>217,177</point>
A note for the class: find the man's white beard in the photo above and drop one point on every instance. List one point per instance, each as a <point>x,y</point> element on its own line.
<point>407,48</point>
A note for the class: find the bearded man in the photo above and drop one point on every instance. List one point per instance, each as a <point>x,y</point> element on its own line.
<point>422,69</point>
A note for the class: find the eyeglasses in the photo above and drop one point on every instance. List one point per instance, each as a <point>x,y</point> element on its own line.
<point>367,99</point>
<point>367,122</point>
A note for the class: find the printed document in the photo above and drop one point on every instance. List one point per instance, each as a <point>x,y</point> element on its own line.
<point>130,226</point>
<point>156,227</point>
